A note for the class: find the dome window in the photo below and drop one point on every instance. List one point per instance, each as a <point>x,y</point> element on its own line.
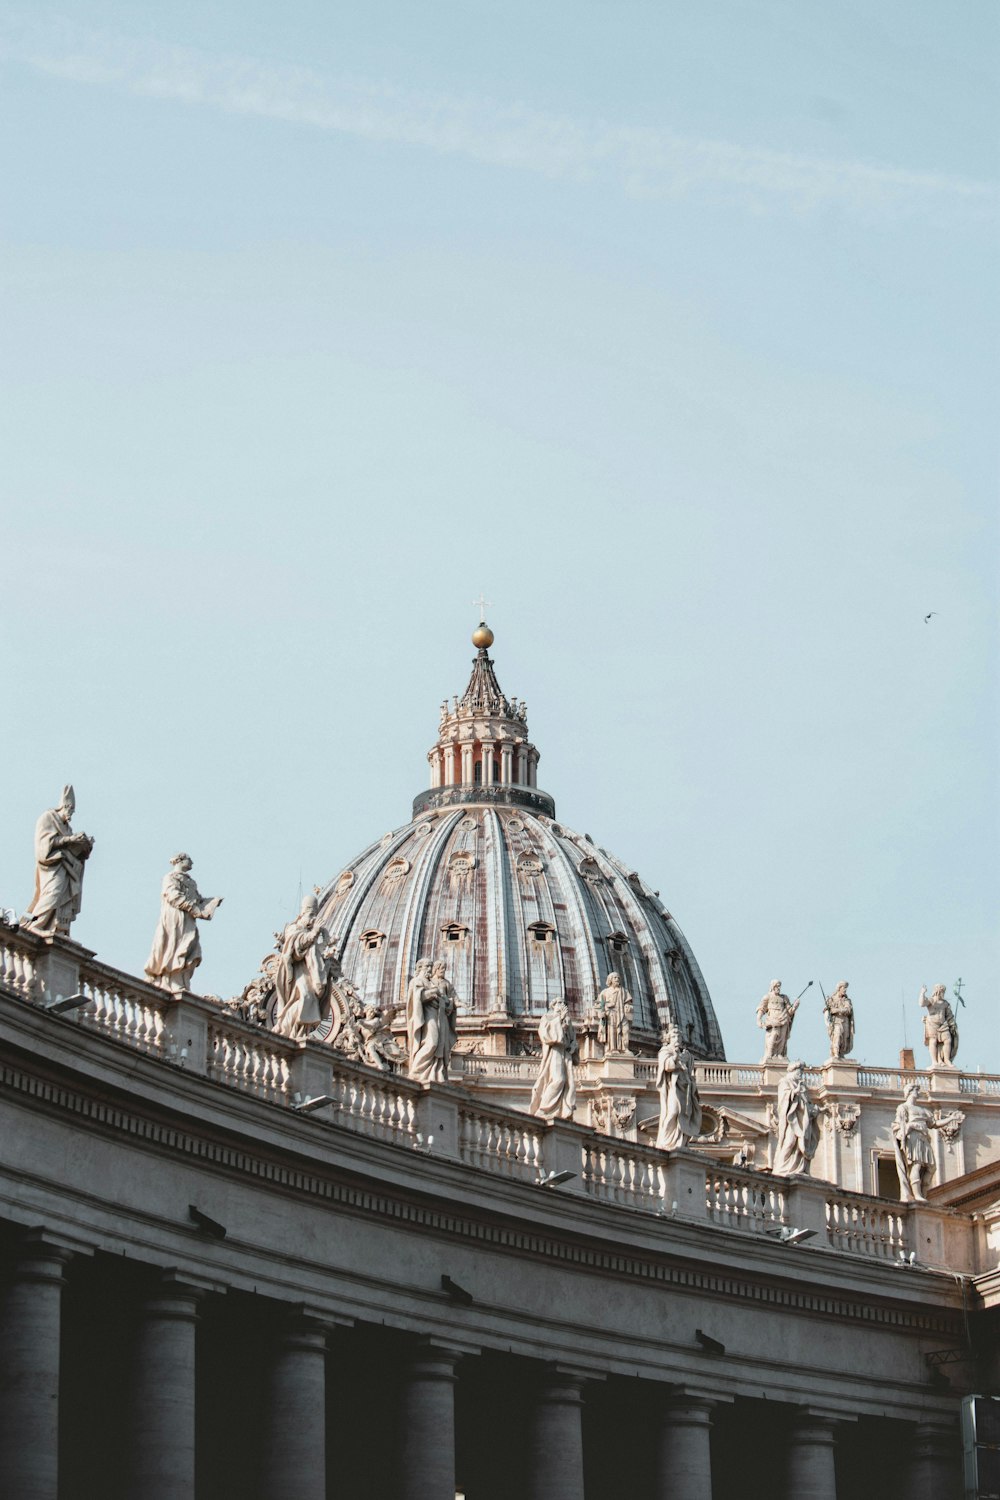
<point>542,932</point>
<point>344,883</point>
<point>618,942</point>
<point>371,938</point>
<point>395,870</point>
<point>590,870</point>
<point>454,932</point>
<point>529,866</point>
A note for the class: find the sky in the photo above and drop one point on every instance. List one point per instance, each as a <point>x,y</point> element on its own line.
<point>670,327</point>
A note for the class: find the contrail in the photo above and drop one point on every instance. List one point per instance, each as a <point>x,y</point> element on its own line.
<point>638,160</point>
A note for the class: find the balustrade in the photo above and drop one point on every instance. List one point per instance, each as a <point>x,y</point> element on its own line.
<point>499,1142</point>
<point>744,1200</point>
<point>616,1172</point>
<point>375,1104</point>
<point>254,1061</point>
<point>18,974</point>
<point>864,1226</point>
<point>124,1009</point>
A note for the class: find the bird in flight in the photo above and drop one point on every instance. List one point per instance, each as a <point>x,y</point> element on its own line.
<point>927,617</point>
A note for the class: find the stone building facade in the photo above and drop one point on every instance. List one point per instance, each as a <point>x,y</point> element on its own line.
<point>239,1263</point>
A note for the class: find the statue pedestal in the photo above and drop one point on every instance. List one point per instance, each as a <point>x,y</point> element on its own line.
<point>839,1073</point>
<point>945,1079</point>
<point>618,1067</point>
<point>57,965</point>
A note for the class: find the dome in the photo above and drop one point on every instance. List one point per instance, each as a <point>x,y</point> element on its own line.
<point>522,909</point>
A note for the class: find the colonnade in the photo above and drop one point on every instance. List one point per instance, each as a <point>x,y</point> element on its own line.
<point>483,763</point>
<point>159,1421</point>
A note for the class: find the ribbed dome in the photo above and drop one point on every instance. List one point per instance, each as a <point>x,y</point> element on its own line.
<point>523,911</point>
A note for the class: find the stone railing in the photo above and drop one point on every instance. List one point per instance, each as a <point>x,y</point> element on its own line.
<point>246,1058</point>
<point>18,973</point>
<point>498,1141</point>
<point>124,1009</point>
<point>744,1200</point>
<point>618,1172</point>
<point>979,1083</point>
<point>203,1038</point>
<point>472,1067</point>
<point>866,1226</point>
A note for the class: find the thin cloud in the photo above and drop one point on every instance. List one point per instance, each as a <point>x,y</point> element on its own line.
<point>641,161</point>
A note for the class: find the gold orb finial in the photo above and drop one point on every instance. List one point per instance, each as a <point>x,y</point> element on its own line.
<point>482,637</point>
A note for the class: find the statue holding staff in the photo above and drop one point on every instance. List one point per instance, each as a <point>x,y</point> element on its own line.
<point>838,1013</point>
<point>940,1027</point>
<point>775,1015</point>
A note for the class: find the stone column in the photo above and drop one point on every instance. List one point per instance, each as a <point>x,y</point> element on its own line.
<point>29,1371</point>
<point>427,1417</point>
<point>487,762</point>
<point>683,1455</point>
<point>554,1451</point>
<point>935,1464</point>
<point>449,765</point>
<point>506,761</point>
<point>811,1474</point>
<point>521,761</point>
<point>160,1463</point>
<point>466,765</point>
<point>295,1415</point>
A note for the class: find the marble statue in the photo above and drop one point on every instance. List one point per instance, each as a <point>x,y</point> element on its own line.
<point>940,1026</point>
<point>431,1031</point>
<point>60,855</point>
<point>680,1107</point>
<point>379,1048</point>
<point>838,1012</point>
<point>798,1135</point>
<point>775,1014</point>
<point>176,950</point>
<point>554,1094</point>
<point>612,1004</point>
<point>306,969</point>
<point>911,1139</point>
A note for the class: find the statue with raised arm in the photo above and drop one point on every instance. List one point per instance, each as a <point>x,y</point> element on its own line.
<point>911,1140</point>
<point>613,1005</point>
<point>60,855</point>
<point>378,1045</point>
<point>554,1094</point>
<point>680,1107</point>
<point>797,1132</point>
<point>176,951</point>
<point>775,1015</point>
<point>304,974</point>
<point>940,1026</point>
<point>838,1012</point>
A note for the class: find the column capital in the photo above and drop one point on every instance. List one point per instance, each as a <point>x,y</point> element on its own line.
<point>42,1254</point>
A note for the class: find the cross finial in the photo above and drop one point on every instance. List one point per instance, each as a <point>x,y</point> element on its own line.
<point>483,605</point>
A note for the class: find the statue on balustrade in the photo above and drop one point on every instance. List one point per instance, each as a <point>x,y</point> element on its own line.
<point>797,1132</point>
<point>431,1030</point>
<point>614,1008</point>
<point>554,1094</point>
<point>838,1012</point>
<point>940,1026</point>
<point>60,855</point>
<point>911,1140</point>
<point>176,950</point>
<point>775,1014</point>
<point>680,1107</point>
<point>379,1048</point>
<point>304,973</point>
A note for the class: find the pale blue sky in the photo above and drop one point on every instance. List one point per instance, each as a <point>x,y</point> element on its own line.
<point>671,326</point>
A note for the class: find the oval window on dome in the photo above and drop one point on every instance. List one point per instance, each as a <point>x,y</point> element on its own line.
<point>344,883</point>
<point>529,866</point>
<point>591,870</point>
<point>395,871</point>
